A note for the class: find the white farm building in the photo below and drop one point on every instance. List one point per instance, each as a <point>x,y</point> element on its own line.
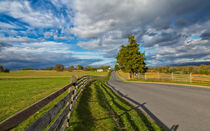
<point>100,70</point>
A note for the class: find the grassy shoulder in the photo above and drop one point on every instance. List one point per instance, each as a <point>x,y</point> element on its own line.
<point>100,108</point>
<point>170,82</point>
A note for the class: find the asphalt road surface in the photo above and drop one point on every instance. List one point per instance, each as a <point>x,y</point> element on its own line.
<point>177,107</point>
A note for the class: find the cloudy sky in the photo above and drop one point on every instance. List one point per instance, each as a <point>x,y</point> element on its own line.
<point>41,33</point>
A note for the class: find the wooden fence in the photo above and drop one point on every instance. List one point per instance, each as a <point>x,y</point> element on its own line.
<point>199,78</point>
<point>175,77</point>
<point>65,106</point>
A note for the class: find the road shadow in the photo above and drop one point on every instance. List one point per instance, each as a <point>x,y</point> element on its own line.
<point>145,109</point>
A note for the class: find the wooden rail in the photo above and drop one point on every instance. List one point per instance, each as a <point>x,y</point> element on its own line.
<point>67,103</point>
<point>192,78</point>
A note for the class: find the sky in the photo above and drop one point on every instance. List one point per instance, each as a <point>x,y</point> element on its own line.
<point>42,33</point>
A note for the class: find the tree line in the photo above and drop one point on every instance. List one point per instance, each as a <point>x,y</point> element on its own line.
<point>202,69</point>
<point>60,67</point>
<point>4,70</point>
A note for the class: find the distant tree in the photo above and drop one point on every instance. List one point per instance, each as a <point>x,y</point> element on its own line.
<point>28,69</point>
<point>6,70</point>
<point>1,68</point>
<point>70,68</point>
<point>59,67</point>
<point>190,68</point>
<point>87,68</point>
<point>116,67</point>
<point>105,68</point>
<point>80,67</point>
<point>49,68</point>
<point>130,59</point>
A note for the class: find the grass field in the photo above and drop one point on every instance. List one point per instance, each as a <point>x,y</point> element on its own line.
<point>45,73</point>
<point>99,109</point>
<point>19,89</point>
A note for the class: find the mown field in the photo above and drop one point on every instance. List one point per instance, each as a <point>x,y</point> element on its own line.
<point>100,109</point>
<point>19,89</point>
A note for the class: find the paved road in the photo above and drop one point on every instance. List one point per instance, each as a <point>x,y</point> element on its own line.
<point>176,107</point>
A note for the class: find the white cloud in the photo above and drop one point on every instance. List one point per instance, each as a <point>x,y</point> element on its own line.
<point>37,18</point>
<point>6,25</point>
<point>17,39</point>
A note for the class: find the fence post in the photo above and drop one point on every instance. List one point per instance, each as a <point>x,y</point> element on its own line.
<point>129,76</point>
<point>145,76</point>
<point>73,79</point>
<point>172,76</point>
<point>158,75</point>
<point>191,77</point>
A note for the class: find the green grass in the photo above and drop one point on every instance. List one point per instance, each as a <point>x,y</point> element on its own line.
<point>100,108</point>
<point>19,89</point>
<point>17,94</point>
<point>46,74</point>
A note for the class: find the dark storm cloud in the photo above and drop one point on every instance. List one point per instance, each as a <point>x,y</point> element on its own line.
<point>4,45</point>
<point>111,54</point>
<point>205,35</point>
<point>161,39</point>
<point>181,23</point>
<point>15,63</point>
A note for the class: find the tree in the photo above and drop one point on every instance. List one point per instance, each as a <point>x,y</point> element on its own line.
<point>1,68</point>
<point>48,68</point>
<point>79,67</point>
<point>105,68</point>
<point>6,70</point>
<point>70,68</point>
<point>87,68</point>
<point>116,67</point>
<point>130,59</point>
<point>59,67</point>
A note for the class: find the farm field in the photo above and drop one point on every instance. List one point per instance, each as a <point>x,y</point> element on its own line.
<point>196,79</point>
<point>99,108</point>
<point>45,73</point>
<point>19,89</point>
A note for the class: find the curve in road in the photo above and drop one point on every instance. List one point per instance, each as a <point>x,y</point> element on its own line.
<point>176,107</point>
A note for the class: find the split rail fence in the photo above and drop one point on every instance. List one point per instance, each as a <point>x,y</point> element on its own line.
<point>61,111</point>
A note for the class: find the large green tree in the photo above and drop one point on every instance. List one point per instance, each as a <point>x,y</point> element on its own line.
<point>130,59</point>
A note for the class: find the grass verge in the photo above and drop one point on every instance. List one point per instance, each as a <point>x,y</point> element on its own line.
<point>175,82</point>
<point>100,108</point>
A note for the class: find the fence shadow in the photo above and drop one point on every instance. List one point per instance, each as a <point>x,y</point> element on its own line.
<point>85,118</point>
<point>145,109</point>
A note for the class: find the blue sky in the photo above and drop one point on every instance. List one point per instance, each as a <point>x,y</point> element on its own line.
<point>42,33</point>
